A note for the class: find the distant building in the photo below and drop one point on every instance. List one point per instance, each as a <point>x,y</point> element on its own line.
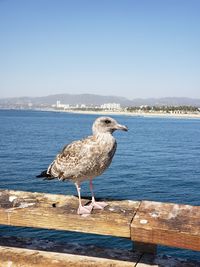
<point>111,106</point>
<point>58,105</point>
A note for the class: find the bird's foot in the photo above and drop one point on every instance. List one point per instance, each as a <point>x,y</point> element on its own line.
<point>98,205</point>
<point>84,210</point>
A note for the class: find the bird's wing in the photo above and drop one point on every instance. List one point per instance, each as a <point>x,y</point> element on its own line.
<point>72,160</point>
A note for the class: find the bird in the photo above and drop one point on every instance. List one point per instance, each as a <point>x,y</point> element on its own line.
<point>86,159</point>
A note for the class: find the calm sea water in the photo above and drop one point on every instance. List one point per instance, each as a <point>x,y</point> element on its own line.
<point>158,159</point>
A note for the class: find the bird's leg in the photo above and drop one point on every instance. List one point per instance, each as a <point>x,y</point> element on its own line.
<point>82,209</point>
<point>95,204</point>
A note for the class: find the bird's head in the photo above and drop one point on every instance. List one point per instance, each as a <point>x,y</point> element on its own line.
<point>107,125</point>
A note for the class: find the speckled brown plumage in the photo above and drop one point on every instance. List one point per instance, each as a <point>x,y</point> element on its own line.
<point>84,159</point>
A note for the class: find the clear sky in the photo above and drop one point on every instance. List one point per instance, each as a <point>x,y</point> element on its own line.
<point>131,48</point>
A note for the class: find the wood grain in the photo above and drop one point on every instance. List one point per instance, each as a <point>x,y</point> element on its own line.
<point>19,257</point>
<point>59,212</point>
<point>167,224</point>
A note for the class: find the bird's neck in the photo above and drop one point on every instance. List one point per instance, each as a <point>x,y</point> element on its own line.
<point>105,137</point>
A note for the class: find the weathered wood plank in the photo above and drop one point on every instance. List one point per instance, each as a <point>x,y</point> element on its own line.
<point>144,222</point>
<point>59,212</point>
<point>167,224</point>
<point>18,257</point>
<point>71,248</point>
<point>27,252</point>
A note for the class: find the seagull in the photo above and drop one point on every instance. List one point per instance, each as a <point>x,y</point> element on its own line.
<point>86,159</point>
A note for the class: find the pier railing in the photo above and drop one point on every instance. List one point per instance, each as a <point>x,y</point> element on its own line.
<point>146,223</point>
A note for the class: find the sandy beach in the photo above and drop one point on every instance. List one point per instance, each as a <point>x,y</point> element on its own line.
<point>136,114</point>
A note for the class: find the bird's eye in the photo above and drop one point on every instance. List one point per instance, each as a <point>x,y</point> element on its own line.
<point>107,121</point>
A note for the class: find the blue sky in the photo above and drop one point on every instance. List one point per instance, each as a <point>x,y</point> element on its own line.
<point>143,48</point>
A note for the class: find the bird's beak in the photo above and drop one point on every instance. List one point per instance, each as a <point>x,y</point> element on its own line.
<point>121,127</point>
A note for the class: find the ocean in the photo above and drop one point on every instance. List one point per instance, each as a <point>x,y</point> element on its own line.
<point>158,159</point>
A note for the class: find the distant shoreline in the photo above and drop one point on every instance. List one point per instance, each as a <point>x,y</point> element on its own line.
<point>121,113</point>
<point>135,114</point>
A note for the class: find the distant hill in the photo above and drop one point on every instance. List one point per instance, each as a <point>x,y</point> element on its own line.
<point>87,99</point>
<point>92,99</point>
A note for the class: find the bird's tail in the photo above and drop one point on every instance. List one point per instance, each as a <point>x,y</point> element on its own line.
<point>45,175</point>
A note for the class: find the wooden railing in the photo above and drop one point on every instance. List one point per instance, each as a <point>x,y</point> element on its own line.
<point>146,223</point>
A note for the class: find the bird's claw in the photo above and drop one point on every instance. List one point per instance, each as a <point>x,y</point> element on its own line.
<point>98,205</point>
<point>84,210</point>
